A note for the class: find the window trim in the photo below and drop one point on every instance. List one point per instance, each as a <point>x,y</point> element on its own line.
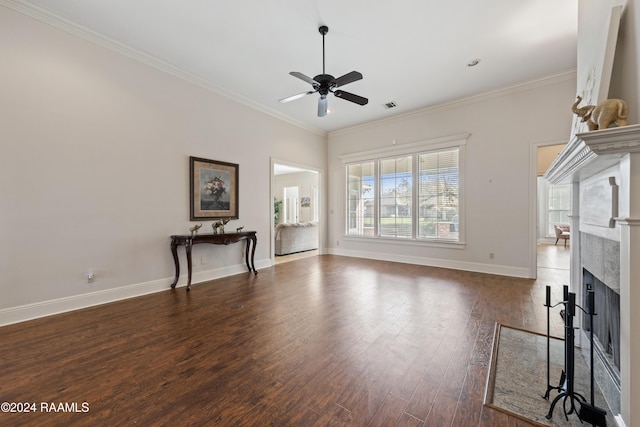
<point>458,141</point>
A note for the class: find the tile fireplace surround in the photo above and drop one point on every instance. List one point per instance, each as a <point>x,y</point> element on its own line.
<point>603,167</point>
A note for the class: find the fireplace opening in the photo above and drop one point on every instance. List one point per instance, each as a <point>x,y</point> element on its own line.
<point>606,322</point>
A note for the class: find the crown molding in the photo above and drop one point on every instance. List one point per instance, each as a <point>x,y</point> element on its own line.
<point>57,21</point>
<point>498,93</point>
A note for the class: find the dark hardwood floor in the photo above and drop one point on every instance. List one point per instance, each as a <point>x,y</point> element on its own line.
<point>320,341</point>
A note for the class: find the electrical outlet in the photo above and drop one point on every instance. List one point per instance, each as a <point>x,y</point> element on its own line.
<point>491,255</point>
<point>90,276</point>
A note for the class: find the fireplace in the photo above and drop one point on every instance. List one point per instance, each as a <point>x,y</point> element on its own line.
<point>600,260</point>
<point>606,323</point>
<point>603,167</point>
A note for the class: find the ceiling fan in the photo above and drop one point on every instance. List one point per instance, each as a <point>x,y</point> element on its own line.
<point>326,83</point>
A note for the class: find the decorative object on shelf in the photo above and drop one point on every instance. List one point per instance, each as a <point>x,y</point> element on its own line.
<point>213,189</point>
<point>603,115</point>
<point>239,229</point>
<point>218,226</point>
<point>195,228</point>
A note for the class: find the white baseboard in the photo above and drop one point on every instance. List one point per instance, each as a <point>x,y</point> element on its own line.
<point>618,419</point>
<point>26,312</point>
<point>75,302</point>
<point>501,270</point>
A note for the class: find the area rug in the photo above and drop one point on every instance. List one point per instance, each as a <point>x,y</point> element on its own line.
<point>517,378</point>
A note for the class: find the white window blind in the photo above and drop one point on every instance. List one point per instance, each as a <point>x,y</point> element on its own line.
<point>396,197</point>
<point>438,195</point>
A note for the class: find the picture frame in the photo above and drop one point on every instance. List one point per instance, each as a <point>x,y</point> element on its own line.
<point>213,189</point>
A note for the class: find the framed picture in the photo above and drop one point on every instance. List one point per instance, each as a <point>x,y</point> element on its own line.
<point>305,202</point>
<point>213,189</point>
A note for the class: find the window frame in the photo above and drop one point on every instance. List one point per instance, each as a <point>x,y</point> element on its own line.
<point>457,141</point>
<point>566,189</point>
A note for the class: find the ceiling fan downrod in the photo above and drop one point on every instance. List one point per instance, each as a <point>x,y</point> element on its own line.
<point>323,30</point>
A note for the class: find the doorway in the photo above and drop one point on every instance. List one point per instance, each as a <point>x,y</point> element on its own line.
<point>295,192</point>
<point>551,206</point>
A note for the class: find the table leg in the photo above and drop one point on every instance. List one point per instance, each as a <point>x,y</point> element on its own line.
<point>253,252</point>
<point>174,252</point>
<point>246,253</point>
<point>187,248</point>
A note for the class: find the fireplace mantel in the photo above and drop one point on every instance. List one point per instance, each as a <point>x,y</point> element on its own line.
<point>591,152</point>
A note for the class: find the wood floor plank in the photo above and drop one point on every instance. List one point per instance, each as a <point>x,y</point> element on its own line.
<point>389,412</point>
<point>325,340</point>
<point>442,412</point>
<point>407,420</point>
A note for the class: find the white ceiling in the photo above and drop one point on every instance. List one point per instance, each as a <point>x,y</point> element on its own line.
<point>412,52</point>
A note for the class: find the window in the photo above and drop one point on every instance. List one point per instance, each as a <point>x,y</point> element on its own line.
<point>439,195</point>
<point>558,209</point>
<point>396,197</point>
<point>360,199</point>
<point>409,196</point>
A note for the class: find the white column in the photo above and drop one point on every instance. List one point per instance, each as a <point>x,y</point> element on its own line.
<point>575,264</point>
<point>630,293</point>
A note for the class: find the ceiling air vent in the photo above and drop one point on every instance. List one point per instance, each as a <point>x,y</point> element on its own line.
<point>390,104</point>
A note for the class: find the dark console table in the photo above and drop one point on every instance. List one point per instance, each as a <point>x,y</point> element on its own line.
<point>188,241</point>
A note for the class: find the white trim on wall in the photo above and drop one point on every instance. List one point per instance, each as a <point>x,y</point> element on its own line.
<point>500,270</point>
<point>32,311</point>
<point>457,103</point>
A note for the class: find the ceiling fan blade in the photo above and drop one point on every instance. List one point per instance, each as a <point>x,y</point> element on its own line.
<point>351,97</point>
<point>294,97</point>
<point>307,79</point>
<point>347,78</point>
<point>322,106</point>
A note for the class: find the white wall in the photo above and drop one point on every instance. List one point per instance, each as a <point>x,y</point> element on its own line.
<point>499,207</point>
<point>94,169</point>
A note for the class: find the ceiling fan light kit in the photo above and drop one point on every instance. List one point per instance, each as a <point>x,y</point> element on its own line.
<point>326,83</point>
